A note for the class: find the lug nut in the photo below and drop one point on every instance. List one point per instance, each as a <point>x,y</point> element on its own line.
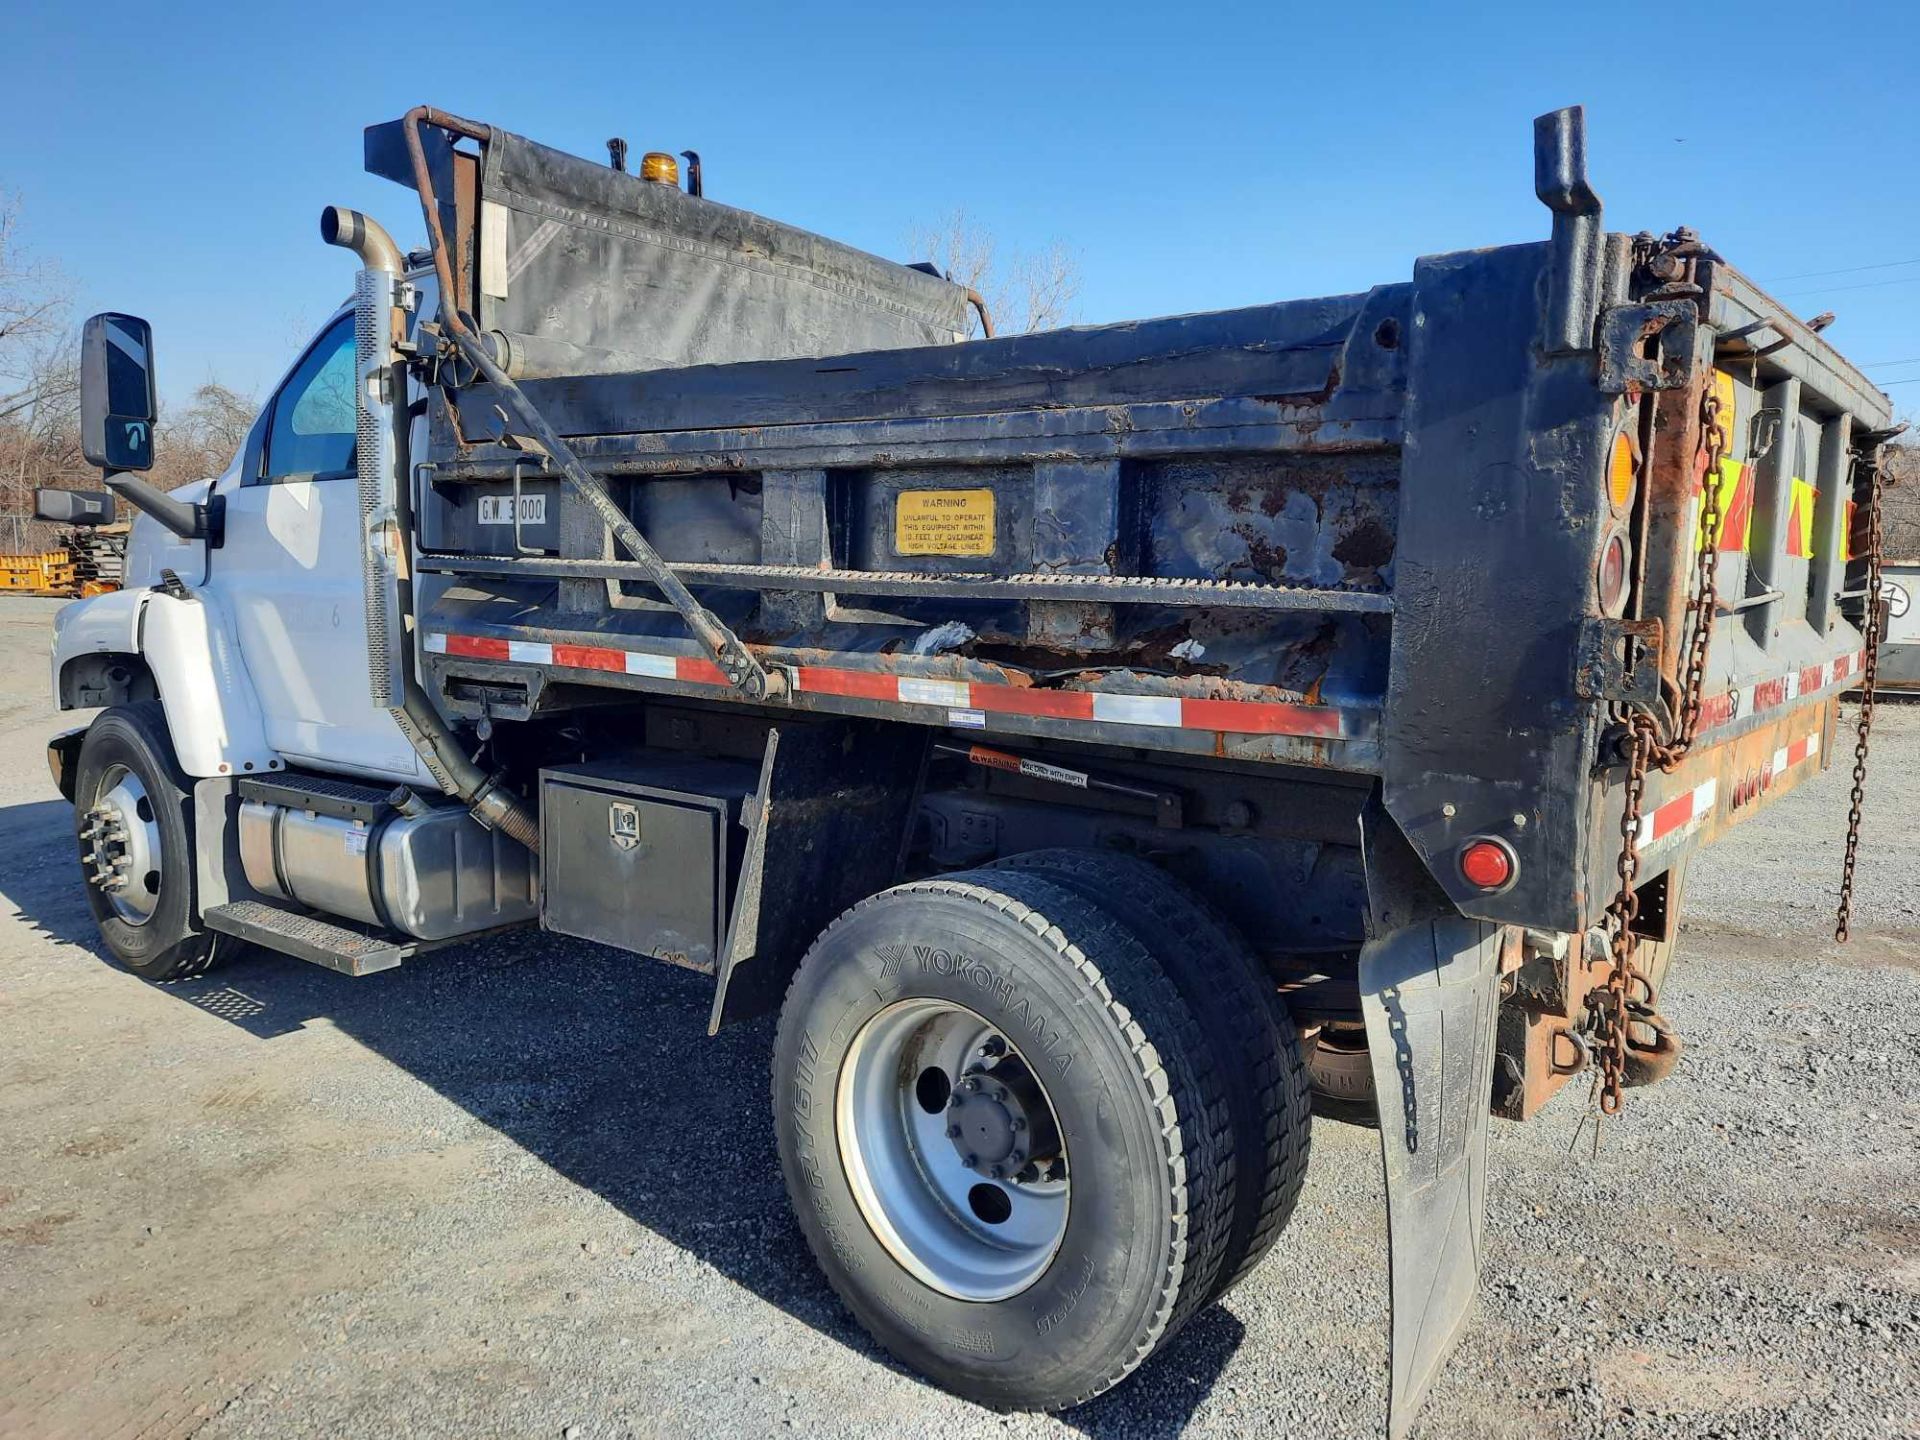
<point>998,1172</point>
<point>1018,1157</point>
<point>953,1132</point>
<point>1016,1124</point>
<point>970,1084</point>
<point>969,1161</point>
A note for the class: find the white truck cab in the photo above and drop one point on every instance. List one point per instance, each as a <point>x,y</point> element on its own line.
<point>267,666</point>
<point>252,777</point>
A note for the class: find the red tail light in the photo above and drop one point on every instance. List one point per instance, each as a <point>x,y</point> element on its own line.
<point>1488,864</point>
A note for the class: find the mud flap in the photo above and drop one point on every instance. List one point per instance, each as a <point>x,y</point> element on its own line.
<point>1430,995</point>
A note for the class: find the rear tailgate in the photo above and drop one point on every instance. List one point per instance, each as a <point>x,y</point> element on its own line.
<point>1798,429</point>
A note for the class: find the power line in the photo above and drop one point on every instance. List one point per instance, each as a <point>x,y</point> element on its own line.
<point>1866,285</point>
<point>1882,364</point>
<point>1848,270</point>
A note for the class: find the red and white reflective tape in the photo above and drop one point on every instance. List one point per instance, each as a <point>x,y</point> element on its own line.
<point>967,702</point>
<point>1788,756</point>
<point>1684,812</point>
<point>1679,814</point>
<point>1765,695</point>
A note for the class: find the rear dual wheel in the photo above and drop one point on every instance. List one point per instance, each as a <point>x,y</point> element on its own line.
<point>1011,1141</point>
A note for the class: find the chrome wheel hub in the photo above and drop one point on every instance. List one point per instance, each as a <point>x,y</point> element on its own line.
<point>952,1149</point>
<point>120,846</point>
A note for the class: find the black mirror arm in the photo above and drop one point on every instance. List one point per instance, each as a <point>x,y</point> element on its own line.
<point>188,521</point>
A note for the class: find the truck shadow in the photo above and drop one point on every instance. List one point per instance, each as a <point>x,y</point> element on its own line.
<point>41,876</point>
<point>598,1063</point>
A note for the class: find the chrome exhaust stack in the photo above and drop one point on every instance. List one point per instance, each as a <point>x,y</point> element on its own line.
<point>380,410</point>
<point>363,235</point>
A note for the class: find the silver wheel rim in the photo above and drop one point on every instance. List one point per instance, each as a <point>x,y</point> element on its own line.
<point>928,1086</point>
<point>120,846</point>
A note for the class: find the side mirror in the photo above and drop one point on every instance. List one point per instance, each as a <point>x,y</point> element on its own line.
<point>117,408</point>
<point>73,507</point>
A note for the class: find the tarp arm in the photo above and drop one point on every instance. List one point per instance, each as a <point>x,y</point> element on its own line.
<point>742,670</point>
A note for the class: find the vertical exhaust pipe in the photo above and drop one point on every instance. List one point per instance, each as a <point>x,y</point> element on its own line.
<point>363,235</point>
<point>390,682</point>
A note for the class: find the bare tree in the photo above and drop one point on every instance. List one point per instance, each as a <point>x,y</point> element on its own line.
<point>204,437</point>
<point>40,401</point>
<point>33,310</point>
<point>39,389</point>
<point>1024,290</point>
<point>1046,284</point>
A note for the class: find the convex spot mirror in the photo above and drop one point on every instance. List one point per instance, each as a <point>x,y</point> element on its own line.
<point>73,507</point>
<point>116,392</point>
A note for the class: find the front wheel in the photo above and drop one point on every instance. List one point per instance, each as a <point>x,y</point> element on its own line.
<point>1003,1135</point>
<point>133,819</point>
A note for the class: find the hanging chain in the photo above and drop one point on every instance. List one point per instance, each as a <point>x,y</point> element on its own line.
<point>1628,992</point>
<point>1871,626</point>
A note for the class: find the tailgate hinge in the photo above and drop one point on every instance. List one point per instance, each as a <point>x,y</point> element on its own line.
<point>1620,661</point>
<point>1625,329</point>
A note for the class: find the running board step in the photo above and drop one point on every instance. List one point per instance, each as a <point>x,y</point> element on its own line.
<point>346,948</point>
<point>322,794</point>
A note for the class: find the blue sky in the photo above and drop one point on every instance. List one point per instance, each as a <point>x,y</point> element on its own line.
<point>173,159</point>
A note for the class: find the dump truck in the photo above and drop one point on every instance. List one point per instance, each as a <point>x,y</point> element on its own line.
<point>1098,747</point>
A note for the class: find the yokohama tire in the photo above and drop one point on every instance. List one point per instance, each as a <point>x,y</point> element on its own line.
<point>1126,1074</point>
<point>1241,1014</point>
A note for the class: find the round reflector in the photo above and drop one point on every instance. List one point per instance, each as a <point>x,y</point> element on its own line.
<point>1487,864</point>
<point>1620,471</point>
<point>1615,574</point>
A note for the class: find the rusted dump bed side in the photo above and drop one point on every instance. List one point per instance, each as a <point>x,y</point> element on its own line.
<point>1177,534</point>
<point>1439,533</point>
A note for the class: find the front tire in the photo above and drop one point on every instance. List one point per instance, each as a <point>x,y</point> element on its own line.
<point>133,822</point>
<point>1042,998</point>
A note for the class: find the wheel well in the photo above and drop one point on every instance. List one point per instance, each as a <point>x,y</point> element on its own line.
<point>107,678</point>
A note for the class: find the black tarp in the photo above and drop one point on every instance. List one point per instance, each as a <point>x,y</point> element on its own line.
<point>587,270</point>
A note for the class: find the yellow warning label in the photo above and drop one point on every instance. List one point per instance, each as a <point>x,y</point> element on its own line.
<point>1727,393</point>
<point>943,522</point>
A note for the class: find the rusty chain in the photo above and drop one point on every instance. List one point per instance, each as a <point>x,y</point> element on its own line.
<point>1870,633</point>
<point>1617,1004</point>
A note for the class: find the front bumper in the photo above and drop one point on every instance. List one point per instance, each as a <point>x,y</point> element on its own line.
<point>63,757</point>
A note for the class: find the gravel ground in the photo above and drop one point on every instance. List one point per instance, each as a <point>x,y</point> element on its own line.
<point>511,1189</point>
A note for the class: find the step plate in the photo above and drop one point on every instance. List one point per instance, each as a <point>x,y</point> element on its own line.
<point>321,794</point>
<point>307,937</point>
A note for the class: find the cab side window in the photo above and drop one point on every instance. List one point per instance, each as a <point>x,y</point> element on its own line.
<point>314,415</point>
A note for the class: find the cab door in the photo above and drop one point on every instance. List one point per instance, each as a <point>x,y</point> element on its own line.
<point>290,572</point>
